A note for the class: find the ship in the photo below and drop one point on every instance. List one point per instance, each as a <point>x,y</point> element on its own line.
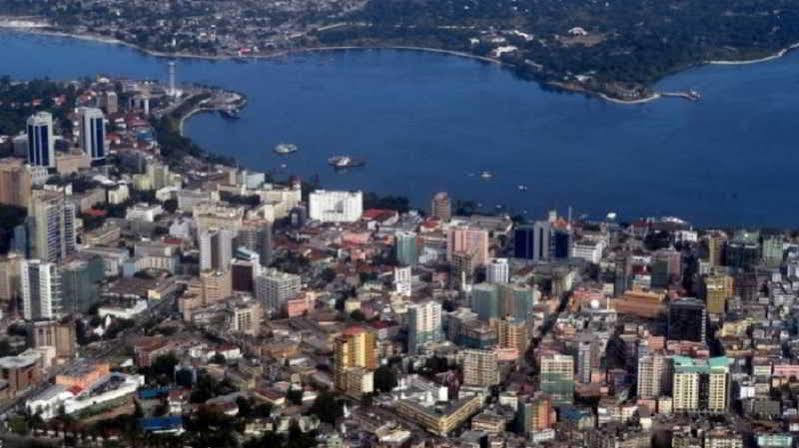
<point>231,113</point>
<point>340,162</point>
<point>486,175</point>
<point>522,187</point>
<point>286,148</point>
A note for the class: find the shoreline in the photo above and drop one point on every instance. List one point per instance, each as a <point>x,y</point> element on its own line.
<point>32,26</point>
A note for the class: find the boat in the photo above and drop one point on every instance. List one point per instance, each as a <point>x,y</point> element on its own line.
<point>286,148</point>
<point>694,95</point>
<point>231,113</point>
<point>522,187</point>
<point>486,175</point>
<point>340,162</point>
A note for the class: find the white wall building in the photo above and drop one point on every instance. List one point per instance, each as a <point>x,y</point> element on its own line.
<point>335,206</point>
<point>41,290</point>
<point>498,271</point>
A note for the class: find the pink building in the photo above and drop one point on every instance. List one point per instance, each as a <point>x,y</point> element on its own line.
<point>786,370</point>
<point>470,241</point>
<point>355,237</point>
<point>300,304</point>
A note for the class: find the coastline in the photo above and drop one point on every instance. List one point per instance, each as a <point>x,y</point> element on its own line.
<point>32,26</point>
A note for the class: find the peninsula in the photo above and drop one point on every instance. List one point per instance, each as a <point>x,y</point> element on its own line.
<point>615,49</point>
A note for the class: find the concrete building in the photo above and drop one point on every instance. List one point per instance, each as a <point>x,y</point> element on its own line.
<point>654,375</point>
<point>256,235</point>
<point>15,183</point>
<point>92,133</point>
<point>424,325</point>
<point>717,289</point>
<point>51,333</point>
<point>41,143</point>
<point>498,271</point>
<point>513,333</point>
<point>557,377</point>
<point>335,206</point>
<point>355,348</point>
<point>403,281</point>
<point>441,207</point>
<point>471,241</point>
<point>273,288</point>
<point>480,368</point>
<point>406,248</point>
<point>216,249</point>
<point>485,301</point>
<point>687,320</point>
<point>535,413</point>
<point>53,220</point>
<point>440,419</point>
<point>701,385</point>
<point>41,290</point>
<point>79,284</point>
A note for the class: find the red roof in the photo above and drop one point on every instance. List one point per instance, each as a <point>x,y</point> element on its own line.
<point>378,214</point>
<point>96,212</point>
<point>75,389</point>
<point>354,330</point>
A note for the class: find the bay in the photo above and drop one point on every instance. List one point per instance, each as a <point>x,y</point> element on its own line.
<point>428,122</point>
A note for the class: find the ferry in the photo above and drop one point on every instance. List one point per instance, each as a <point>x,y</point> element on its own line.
<point>345,162</point>
<point>286,148</point>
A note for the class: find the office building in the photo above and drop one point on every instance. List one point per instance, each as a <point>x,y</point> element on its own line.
<point>687,320</point>
<point>406,248</point>
<point>273,288</point>
<point>256,235</point>
<point>355,348</point>
<point>80,284</point>
<point>41,144</point>
<point>424,325</point>
<point>480,368</point>
<point>715,248</point>
<point>773,251</point>
<point>498,271</point>
<point>654,375</point>
<point>717,289</point>
<point>216,249</point>
<point>15,183</point>
<point>335,206</point>
<point>743,251</point>
<point>557,377</point>
<point>471,241</point>
<point>246,318</point>
<point>110,101</point>
<point>585,354</point>
<point>701,385</point>
<point>92,133</point>
<point>10,279</point>
<point>441,207</point>
<point>561,243</point>
<point>211,287</point>
<point>485,301</point>
<point>41,290</point>
<point>516,300</point>
<point>53,220</point>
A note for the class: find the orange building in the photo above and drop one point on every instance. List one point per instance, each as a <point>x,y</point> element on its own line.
<point>83,375</point>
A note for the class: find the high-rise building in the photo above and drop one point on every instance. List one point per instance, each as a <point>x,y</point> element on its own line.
<point>211,287</point>
<point>716,289</point>
<point>41,290</point>
<point>485,301</point>
<point>424,325</point>
<point>480,368</point>
<point>561,243</point>
<point>41,145</point>
<point>513,333</point>
<point>10,279</point>
<point>335,206</point>
<point>15,183</point>
<point>50,333</point>
<point>470,241</point>
<point>687,320</point>
<point>246,318</point>
<point>403,281</point>
<point>79,284</point>
<point>715,248</point>
<point>557,377</point>
<point>701,385</point>
<point>111,102</point>
<point>498,271</point>
<point>216,249</point>
<point>53,221</point>
<point>256,235</point>
<point>585,353</point>
<point>441,207</point>
<point>532,242</point>
<point>355,350</point>
<point>535,413</point>
<point>406,248</point>
<point>516,300</point>
<point>743,251</point>
<point>92,133</point>
<point>773,251</point>
<point>654,375</point>
<point>273,288</point>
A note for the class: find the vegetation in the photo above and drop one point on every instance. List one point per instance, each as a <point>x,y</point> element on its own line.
<point>10,217</point>
<point>19,100</point>
<point>400,204</point>
<point>327,407</point>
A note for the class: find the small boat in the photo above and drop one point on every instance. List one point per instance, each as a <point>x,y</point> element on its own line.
<point>486,175</point>
<point>340,162</point>
<point>286,148</point>
<point>230,113</point>
<point>283,166</point>
<point>522,187</point>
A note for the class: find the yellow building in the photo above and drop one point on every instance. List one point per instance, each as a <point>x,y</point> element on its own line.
<point>512,333</point>
<point>711,377</point>
<point>355,347</point>
<point>15,183</point>
<point>440,419</point>
<point>717,289</point>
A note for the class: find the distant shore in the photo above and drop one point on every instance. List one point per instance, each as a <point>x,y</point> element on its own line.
<point>33,26</point>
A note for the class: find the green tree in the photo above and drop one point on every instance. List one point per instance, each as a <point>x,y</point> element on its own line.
<point>385,379</point>
<point>327,407</point>
<point>358,315</point>
<point>294,396</point>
